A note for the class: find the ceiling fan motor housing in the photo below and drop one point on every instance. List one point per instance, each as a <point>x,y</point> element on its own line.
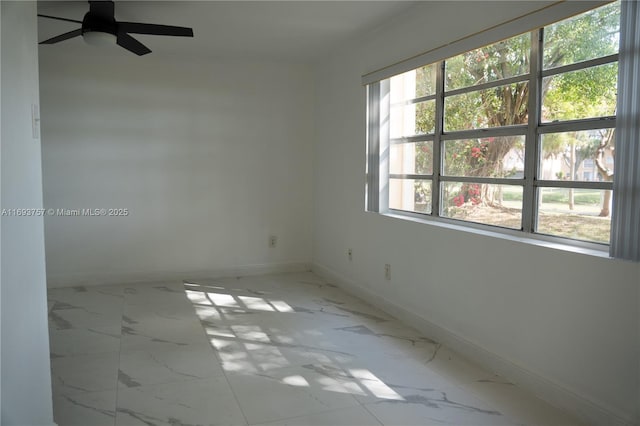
<point>93,23</point>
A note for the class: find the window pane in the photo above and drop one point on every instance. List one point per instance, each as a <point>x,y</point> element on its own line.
<point>586,93</point>
<point>499,205</point>
<point>495,107</point>
<point>579,156</point>
<point>413,119</point>
<point>588,36</point>
<point>508,58</point>
<point>413,84</point>
<point>411,158</point>
<point>581,214</point>
<point>488,157</point>
<point>410,194</point>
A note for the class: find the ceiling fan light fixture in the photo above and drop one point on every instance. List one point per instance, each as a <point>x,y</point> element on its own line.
<point>100,28</point>
<point>99,38</point>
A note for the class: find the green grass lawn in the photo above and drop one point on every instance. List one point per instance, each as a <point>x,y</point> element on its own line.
<point>558,195</point>
<point>557,221</point>
<point>579,227</point>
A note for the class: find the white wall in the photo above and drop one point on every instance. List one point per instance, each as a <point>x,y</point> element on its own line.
<point>564,324</point>
<point>210,158</point>
<point>26,375</point>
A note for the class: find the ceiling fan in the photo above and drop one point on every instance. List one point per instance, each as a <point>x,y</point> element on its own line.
<point>100,26</point>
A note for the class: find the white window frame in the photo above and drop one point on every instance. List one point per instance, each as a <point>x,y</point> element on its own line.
<point>378,142</point>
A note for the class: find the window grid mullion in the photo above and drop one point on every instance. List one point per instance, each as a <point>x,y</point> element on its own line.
<point>576,125</point>
<point>529,197</point>
<point>485,132</point>
<point>409,176</point>
<point>574,184</point>
<point>437,141</point>
<point>577,66</point>
<point>488,85</point>
<point>411,139</point>
<point>483,180</point>
<point>413,101</point>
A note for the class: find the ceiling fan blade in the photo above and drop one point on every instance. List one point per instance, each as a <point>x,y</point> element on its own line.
<point>60,19</point>
<point>131,44</point>
<point>63,37</point>
<point>101,8</point>
<point>165,30</point>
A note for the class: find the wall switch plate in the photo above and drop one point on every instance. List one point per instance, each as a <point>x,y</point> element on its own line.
<point>273,240</point>
<point>350,254</point>
<point>35,121</point>
<point>387,271</point>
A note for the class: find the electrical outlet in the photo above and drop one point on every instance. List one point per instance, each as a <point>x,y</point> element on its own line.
<point>273,240</point>
<point>387,271</point>
<point>350,254</point>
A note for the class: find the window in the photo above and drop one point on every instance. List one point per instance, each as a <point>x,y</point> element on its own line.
<point>518,134</point>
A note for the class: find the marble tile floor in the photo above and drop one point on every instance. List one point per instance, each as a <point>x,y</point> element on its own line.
<point>288,349</point>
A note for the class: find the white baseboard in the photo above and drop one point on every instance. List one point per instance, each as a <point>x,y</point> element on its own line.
<point>544,388</point>
<point>94,279</point>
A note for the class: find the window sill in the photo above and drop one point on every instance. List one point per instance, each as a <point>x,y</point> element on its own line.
<point>578,247</point>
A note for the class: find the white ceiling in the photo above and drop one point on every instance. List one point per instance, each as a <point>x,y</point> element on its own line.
<point>279,30</point>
